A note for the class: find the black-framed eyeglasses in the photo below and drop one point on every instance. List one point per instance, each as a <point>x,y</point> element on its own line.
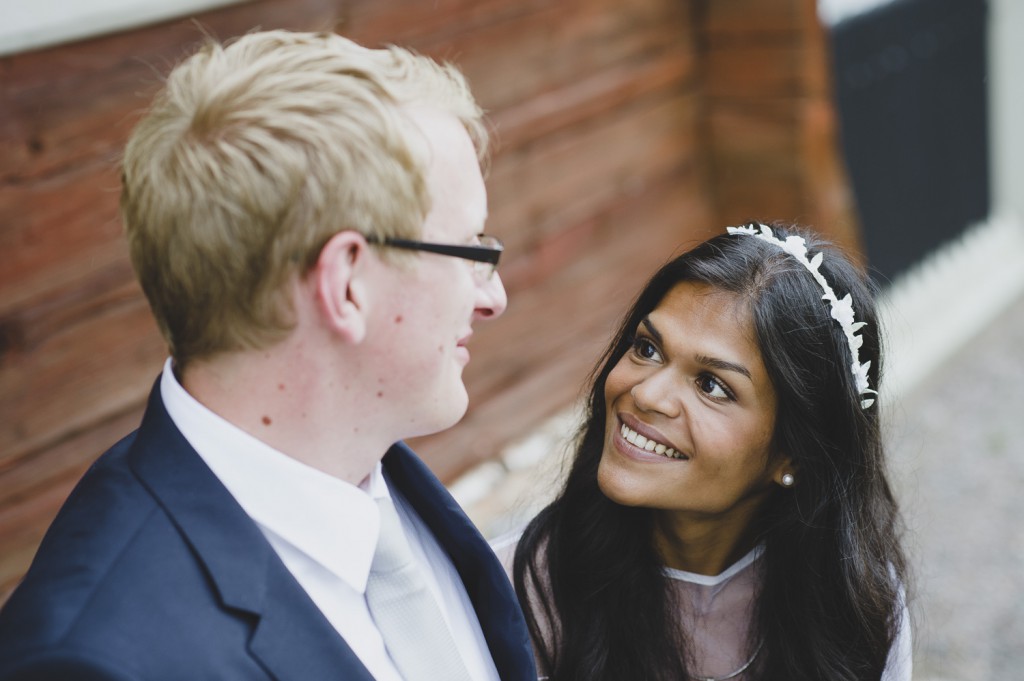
<point>485,255</point>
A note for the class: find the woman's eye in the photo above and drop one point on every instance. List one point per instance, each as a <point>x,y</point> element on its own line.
<point>643,347</point>
<point>713,388</point>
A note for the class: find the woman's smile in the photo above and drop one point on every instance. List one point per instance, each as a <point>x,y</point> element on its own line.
<point>640,443</point>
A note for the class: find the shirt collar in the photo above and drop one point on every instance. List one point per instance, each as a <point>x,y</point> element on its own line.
<point>332,521</point>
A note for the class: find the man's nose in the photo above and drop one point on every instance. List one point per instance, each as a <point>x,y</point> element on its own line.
<point>491,299</point>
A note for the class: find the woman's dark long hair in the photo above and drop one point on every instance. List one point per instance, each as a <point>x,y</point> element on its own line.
<point>832,568</point>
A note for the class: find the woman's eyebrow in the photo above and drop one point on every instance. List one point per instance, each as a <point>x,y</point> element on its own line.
<point>723,365</point>
<point>651,329</point>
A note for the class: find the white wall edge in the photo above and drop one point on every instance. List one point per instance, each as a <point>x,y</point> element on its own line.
<point>834,12</point>
<point>949,297</point>
<point>27,26</point>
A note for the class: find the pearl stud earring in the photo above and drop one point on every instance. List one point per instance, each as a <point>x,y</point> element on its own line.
<point>788,480</point>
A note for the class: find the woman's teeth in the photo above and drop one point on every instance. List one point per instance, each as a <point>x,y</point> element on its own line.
<point>642,442</point>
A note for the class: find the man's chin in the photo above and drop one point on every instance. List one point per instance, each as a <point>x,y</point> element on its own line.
<point>456,413</point>
<point>446,415</point>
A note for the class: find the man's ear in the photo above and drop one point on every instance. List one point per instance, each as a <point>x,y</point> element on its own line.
<point>340,287</point>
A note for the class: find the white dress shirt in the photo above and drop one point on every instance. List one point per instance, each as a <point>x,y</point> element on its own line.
<point>325,532</point>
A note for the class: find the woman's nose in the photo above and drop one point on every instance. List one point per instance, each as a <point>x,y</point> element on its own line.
<point>658,393</point>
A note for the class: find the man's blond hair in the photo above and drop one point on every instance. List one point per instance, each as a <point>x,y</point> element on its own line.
<point>256,153</point>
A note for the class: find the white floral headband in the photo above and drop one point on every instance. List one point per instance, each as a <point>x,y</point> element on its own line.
<point>842,309</point>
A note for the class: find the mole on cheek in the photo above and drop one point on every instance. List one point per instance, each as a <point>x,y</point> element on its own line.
<point>380,393</point>
<point>266,420</point>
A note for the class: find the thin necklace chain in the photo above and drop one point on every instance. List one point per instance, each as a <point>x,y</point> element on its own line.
<point>736,673</point>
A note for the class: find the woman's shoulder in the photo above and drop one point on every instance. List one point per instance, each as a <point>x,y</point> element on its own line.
<point>504,547</point>
<point>536,582</point>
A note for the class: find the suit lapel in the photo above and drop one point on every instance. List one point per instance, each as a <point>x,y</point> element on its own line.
<point>296,643</point>
<point>292,639</point>
<point>485,581</point>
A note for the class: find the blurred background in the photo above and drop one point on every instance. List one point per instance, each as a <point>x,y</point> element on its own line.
<point>624,133</point>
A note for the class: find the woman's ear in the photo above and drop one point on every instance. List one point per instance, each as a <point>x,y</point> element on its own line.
<point>340,287</point>
<point>785,474</point>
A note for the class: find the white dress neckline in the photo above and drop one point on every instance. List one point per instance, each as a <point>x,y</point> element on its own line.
<point>715,580</point>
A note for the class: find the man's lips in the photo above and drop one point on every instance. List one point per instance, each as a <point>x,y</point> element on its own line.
<point>461,349</point>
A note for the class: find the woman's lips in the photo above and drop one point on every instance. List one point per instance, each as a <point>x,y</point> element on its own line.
<point>642,441</point>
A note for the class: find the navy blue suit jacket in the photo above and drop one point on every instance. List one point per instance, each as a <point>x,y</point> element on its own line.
<point>152,571</point>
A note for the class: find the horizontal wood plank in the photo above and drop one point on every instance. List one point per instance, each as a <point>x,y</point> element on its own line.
<point>57,232</point>
<point>540,189</point>
<point>77,377</point>
<point>67,105</point>
<point>756,70</point>
<point>754,16</point>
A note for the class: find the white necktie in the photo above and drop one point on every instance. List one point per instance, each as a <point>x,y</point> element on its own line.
<point>414,630</point>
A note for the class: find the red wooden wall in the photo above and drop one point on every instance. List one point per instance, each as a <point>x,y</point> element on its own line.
<point>624,131</point>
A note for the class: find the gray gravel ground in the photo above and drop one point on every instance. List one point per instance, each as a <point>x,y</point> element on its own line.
<point>957,455</point>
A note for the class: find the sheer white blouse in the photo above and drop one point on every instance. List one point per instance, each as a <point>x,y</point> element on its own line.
<point>717,612</point>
